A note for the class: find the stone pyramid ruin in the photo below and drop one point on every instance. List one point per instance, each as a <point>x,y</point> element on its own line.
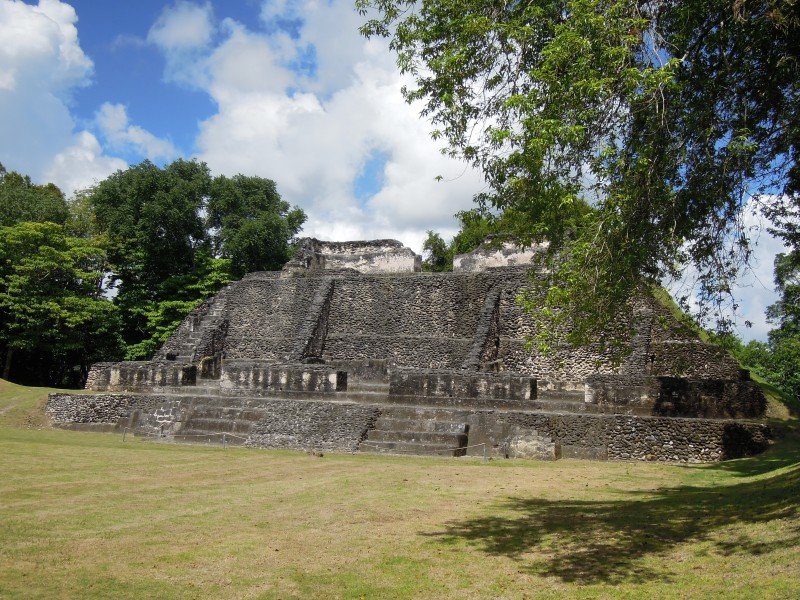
<point>352,348</point>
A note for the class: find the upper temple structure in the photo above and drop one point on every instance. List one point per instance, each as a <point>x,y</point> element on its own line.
<point>352,348</point>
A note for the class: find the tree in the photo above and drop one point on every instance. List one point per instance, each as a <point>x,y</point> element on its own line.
<point>156,238</point>
<point>436,254</point>
<point>630,135</point>
<point>784,340</point>
<point>252,225</point>
<point>51,306</point>
<point>175,236</point>
<point>21,200</point>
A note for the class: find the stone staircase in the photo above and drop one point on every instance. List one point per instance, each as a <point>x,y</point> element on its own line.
<point>417,430</point>
<point>201,330</point>
<point>217,419</point>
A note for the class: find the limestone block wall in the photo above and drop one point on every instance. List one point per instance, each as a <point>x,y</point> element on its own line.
<point>140,375</point>
<point>313,425</point>
<point>372,256</point>
<point>266,317</point>
<point>260,376</point>
<point>713,398</point>
<point>461,384</point>
<point>426,320</point>
<point>295,424</point>
<point>440,321</point>
<point>624,437</point>
<point>659,346</point>
<point>488,257</point>
<point>65,409</point>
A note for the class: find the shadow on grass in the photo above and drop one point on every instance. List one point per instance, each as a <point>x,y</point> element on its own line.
<point>603,541</point>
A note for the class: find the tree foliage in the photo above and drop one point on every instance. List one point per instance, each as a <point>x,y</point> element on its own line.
<point>112,272</point>
<point>630,135</point>
<point>436,255</point>
<point>252,224</point>
<point>52,311</point>
<point>175,236</point>
<point>22,200</point>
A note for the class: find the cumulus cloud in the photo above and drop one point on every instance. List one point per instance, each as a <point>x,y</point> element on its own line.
<point>40,47</point>
<point>183,26</point>
<point>82,164</point>
<point>183,31</point>
<point>112,119</point>
<point>41,62</point>
<point>306,101</point>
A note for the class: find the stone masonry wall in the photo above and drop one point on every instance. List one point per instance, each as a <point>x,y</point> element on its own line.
<point>425,320</point>
<point>252,377</point>
<point>313,425</point>
<point>65,409</point>
<point>626,437</point>
<point>266,316</point>
<point>341,426</point>
<point>296,424</point>
<point>140,375</point>
<point>448,320</point>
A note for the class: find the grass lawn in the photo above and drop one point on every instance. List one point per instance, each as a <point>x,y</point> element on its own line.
<point>84,515</point>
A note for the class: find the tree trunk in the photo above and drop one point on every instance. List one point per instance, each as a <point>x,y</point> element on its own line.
<point>7,366</point>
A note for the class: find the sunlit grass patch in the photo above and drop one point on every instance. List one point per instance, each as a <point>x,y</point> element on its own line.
<point>86,515</point>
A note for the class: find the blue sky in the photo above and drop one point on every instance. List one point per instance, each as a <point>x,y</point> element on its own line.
<point>277,88</point>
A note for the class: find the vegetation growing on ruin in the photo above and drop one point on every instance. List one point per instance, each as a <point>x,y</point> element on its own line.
<point>86,515</point>
<point>632,136</point>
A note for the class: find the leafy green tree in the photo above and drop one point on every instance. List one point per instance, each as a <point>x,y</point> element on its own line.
<point>21,200</point>
<point>156,238</point>
<point>175,236</point>
<point>252,225</point>
<point>436,254</point>
<point>475,226</point>
<point>784,340</point>
<point>631,135</point>
<point>52,311</point>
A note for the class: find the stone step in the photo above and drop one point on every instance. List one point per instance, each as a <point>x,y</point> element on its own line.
<point>421,413</point>
<point>448,440</point>
<point>223,412</point>
<point>390,424</point>
<point>218,425</point>
<point>457,402</point>
<point>366,397</point>
<point>368,386</point>
<point>198,436</point>
<point>575,395</point>
<point>410,448</point>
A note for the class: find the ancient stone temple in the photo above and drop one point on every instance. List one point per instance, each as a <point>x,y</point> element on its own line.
<point>351,348</point>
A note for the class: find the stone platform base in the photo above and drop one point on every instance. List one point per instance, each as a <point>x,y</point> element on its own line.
<point>342,425</point>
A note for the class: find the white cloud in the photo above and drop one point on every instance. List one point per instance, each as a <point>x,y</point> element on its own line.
<point>40,63</point>
<point>314,135</point>
<point>112,119</point>
<point>183,26</point>
<point>183,33</point>
<point>82,164</point>
<point>39,47</point>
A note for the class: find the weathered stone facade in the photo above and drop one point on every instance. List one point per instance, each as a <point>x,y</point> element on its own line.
<point>351,347</point>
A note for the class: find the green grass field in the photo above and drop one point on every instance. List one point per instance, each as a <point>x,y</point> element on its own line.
<point>84,515</point>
